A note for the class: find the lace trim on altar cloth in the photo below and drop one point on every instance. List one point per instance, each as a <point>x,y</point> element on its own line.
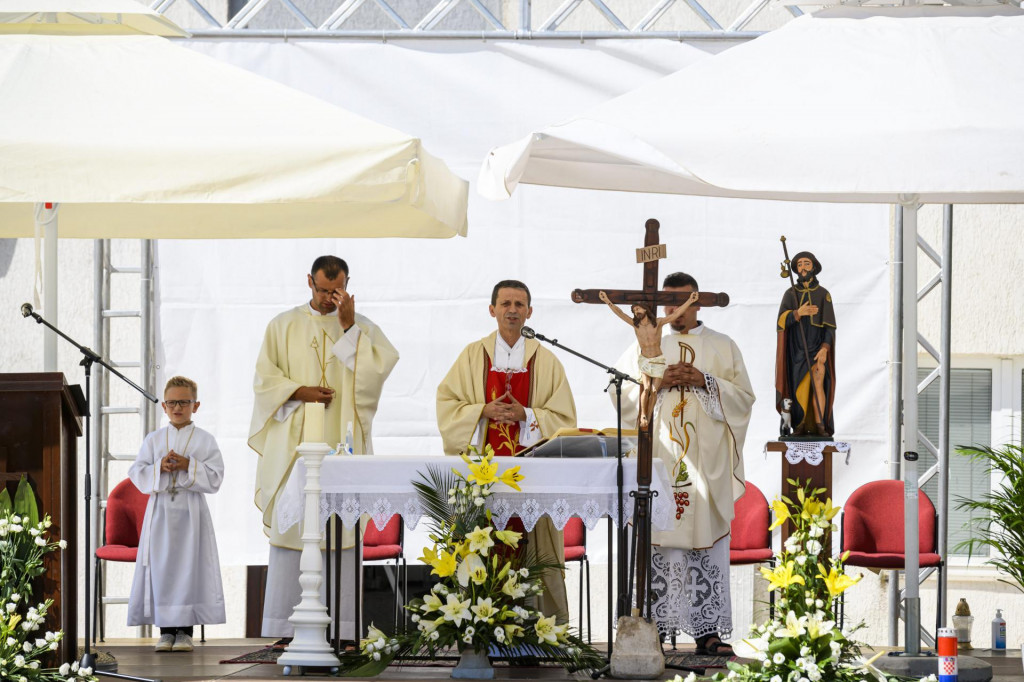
<point>382,506</point>
<point>709,398</point>
<point>812,451</point>
<point>690,590</point>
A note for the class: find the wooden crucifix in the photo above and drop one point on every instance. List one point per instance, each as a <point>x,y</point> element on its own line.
<point>648,298</point>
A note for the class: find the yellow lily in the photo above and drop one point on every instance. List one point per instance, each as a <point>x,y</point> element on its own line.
<point>781,510</point>
<point>509,537</point>
<point>511,478</point>
<point>480,539</point>
<point>782,577</point>
<point>811,508</point>
<point>429,556</point>
<point>445,565</point>
<point>837,582</point>
<point>484,473</point>
<point>472,569</point>
<point>545,629</point>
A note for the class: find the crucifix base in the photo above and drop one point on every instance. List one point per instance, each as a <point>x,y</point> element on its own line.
<point>637,654</point>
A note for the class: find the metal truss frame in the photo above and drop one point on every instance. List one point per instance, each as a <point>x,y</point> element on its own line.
<point>522,28</point>
<point>905,341</point>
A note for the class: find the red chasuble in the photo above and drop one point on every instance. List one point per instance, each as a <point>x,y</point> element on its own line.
<point>504,438</point>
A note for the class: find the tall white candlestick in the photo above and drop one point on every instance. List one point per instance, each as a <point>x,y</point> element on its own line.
<point>313,426</point>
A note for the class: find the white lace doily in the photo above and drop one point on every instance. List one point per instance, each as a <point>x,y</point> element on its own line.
<point>811,451</point>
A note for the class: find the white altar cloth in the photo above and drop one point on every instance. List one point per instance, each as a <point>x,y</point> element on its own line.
<point>381,486</point>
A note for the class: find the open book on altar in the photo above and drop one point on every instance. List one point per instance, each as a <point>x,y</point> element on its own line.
<point>583,443</point>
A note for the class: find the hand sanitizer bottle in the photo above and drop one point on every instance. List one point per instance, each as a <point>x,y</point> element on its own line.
<point>999,631</point>
<point>350,451</point>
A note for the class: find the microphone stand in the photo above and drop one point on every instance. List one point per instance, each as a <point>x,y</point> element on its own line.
<point>90,357</point>
<point>623,592</point>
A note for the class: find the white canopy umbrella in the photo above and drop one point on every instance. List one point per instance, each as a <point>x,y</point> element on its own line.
<point>131,136</point>
<point>97,17</point>
<point>905,105</point>
<point>134,136</point>
<point>845,105</point>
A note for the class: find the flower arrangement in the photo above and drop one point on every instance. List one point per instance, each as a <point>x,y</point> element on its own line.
<point>23,544</point>
<point>802,643</point>
<point>481,602</point>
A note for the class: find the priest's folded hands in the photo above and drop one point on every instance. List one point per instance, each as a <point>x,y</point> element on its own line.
<point>505,409</point>
<point>313,394</point>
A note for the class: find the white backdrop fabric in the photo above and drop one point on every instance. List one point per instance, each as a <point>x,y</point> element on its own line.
<point>430,297</point>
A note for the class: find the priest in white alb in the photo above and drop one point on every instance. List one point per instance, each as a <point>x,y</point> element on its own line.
<point>508,392</point>
<point>698,426</point>
<point>319,352</point>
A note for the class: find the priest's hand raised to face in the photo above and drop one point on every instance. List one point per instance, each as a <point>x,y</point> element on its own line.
<point>346,304</point>
<point>313,394</point>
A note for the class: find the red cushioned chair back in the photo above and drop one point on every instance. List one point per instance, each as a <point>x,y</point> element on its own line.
<point>873,519</point>
<point>391,535</point>
<point>574,533</point>
<point>126,509</point>
<point>749,529</point>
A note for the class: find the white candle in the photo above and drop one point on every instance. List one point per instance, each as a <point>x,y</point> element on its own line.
<point>313,426</point>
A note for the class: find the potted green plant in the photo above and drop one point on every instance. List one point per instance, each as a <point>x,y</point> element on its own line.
<point>999,524</point>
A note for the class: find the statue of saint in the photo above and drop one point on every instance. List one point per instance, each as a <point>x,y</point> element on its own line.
<point>805,368</point>
<point>648,337</point>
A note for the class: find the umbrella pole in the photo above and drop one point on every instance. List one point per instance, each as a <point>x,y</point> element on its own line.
<point>46,223</point>
<point>912,562</point>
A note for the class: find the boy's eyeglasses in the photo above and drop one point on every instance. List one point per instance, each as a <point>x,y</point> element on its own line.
<point>178,403</point>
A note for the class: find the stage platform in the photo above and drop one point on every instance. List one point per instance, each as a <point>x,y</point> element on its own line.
<point>136,657</point>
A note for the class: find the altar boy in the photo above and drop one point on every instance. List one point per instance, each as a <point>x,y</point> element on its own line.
<point>177,573</point>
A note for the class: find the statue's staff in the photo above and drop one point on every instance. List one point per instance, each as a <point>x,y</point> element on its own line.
<point>788,271</point>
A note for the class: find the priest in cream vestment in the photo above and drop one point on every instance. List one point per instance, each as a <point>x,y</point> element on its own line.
<point>698,428</point>
<point>506,391</point>
<point>321,351</point>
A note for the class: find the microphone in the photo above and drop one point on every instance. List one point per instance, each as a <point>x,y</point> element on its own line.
<point>525,331</point>
<point>26,309</point>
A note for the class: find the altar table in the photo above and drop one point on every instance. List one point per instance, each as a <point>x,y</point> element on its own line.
<point>381,486</point>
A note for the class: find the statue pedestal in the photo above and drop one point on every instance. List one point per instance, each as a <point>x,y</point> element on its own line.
<point>804,460</point>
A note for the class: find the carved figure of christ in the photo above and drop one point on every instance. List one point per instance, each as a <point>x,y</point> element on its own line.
<point>648,336</point>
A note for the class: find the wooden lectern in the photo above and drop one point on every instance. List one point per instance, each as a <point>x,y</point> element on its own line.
<point>38,437</point>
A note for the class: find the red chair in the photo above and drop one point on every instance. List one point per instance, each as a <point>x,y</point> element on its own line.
<point>122,526</point>
<point>871,529</point>
<point>575,541</point>
<point>750,541</point>
<point>384,546</point>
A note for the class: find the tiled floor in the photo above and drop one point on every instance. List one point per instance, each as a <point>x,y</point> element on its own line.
<point>137,658</point>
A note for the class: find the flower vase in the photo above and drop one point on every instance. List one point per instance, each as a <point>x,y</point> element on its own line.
<point>473,665</point>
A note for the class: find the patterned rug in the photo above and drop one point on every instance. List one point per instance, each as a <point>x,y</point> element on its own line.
<point>691,660</point>
<point>270,654</point>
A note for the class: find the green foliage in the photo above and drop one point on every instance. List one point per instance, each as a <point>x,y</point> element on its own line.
<point>25,502</point>
<point>6,507</point>
<point>1000,523</point>
<point>22,548</point>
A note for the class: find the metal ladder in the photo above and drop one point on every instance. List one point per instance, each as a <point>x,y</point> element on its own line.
<point>143,371</point>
